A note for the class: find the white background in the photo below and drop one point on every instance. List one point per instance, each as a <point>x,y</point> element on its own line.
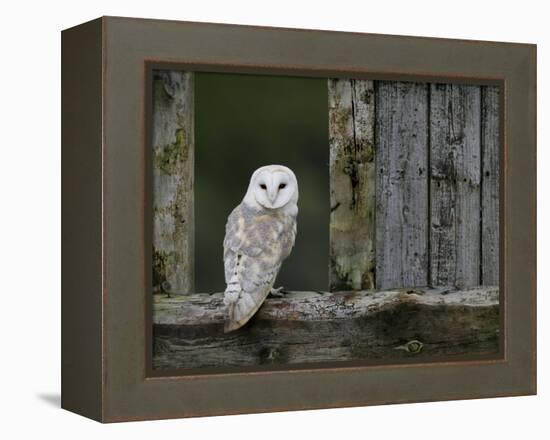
<point>30,219</point>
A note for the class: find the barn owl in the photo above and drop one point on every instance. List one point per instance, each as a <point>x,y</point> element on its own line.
<point>259,235</point>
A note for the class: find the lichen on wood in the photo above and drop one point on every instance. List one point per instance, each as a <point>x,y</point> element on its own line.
<point>352,184</point>
<point>428,154</point>
<point>173,177</point>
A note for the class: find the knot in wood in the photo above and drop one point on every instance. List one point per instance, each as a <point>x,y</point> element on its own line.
<point>413,346</point>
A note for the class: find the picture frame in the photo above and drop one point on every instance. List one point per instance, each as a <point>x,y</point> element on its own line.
<point>106,220</point>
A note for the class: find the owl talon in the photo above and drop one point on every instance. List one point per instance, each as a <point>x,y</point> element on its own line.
<point>279,292</point>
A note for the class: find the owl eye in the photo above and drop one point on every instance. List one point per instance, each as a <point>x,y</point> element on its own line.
<point>263,186</point>
<point>282,185</point>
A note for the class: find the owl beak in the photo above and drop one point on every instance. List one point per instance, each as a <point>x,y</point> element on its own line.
<point>272,195</point>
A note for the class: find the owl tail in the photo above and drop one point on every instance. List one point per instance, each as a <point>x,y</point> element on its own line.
<point>245,307</point>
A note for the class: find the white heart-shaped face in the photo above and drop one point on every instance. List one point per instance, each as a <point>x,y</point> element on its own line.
<point>273,187</point>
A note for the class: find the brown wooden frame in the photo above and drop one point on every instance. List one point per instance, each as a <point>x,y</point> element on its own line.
<point>106,241</point>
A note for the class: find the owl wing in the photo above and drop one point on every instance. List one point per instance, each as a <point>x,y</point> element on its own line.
<point>253,253</point>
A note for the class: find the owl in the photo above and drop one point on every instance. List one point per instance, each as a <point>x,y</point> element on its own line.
<point>259,235</point>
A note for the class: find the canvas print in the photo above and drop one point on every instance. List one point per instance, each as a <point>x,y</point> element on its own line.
<point>303,221</point>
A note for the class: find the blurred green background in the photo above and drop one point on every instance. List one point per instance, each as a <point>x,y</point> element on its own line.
<point>243,122</point>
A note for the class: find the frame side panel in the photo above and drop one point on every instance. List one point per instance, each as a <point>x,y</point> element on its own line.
<point>81,213</point>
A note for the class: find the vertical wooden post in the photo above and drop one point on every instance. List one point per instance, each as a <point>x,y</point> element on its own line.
<point>455,184</point>
<point>490,134</point>
<point>402,184</point>
<point>352,184</point>
<point>173,176</point>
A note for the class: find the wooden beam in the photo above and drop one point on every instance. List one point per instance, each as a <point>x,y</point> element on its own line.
<point>352,184</point>
<point>320,327</point>
<point>173,176</point>
<point>199,309</point>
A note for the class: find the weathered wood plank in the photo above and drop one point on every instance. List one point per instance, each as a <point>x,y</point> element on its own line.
<point>303,327</point>
<point>352,184</point>
<point>402,184</point>
<point>173,162</point>
<point>200,309</point>
<point>490,144</point>
<point>455,184</point>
